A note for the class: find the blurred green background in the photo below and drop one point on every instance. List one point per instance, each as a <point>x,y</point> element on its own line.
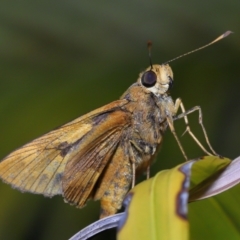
<point>61,59</point>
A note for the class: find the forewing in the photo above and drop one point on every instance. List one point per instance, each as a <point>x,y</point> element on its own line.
<point>38,166</point>
<point>85,167</point>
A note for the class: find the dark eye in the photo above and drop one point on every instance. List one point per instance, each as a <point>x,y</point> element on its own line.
<point>149,79</point>
<point>170,84</point>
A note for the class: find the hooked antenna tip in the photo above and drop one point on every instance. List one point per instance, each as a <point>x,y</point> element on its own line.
<point>227,33</point>
<point>200,48</point>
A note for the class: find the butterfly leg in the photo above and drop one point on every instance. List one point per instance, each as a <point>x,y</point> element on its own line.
<point>134,144</point>
<point>171,126</point>
<point>148,172</point>
<point>184,114</point>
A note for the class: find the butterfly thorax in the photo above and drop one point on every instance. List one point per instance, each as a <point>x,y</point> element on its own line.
<point>148,114</point>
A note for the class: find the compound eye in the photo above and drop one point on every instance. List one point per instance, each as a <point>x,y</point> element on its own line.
<point>149,79</point>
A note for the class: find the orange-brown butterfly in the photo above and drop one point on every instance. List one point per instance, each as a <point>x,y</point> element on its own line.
<point>99,154</point>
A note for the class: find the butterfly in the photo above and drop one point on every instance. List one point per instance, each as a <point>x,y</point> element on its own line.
<point>98,155</point>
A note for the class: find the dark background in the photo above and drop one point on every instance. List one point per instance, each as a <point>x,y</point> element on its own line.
<point>61,59</point>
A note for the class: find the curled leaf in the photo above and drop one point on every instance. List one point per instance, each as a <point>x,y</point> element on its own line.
<point>213,175</point>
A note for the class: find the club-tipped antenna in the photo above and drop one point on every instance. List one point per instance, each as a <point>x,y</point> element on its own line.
<point>214,41</point>
<point>149,45</point>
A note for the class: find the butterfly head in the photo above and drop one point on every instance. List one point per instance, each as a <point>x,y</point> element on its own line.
<point>157,79</point>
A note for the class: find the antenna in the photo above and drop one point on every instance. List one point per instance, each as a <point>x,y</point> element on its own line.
<point>214,41</point>
<point>149,44</point>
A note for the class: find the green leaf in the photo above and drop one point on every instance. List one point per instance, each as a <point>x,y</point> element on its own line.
<point>157,208</point>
